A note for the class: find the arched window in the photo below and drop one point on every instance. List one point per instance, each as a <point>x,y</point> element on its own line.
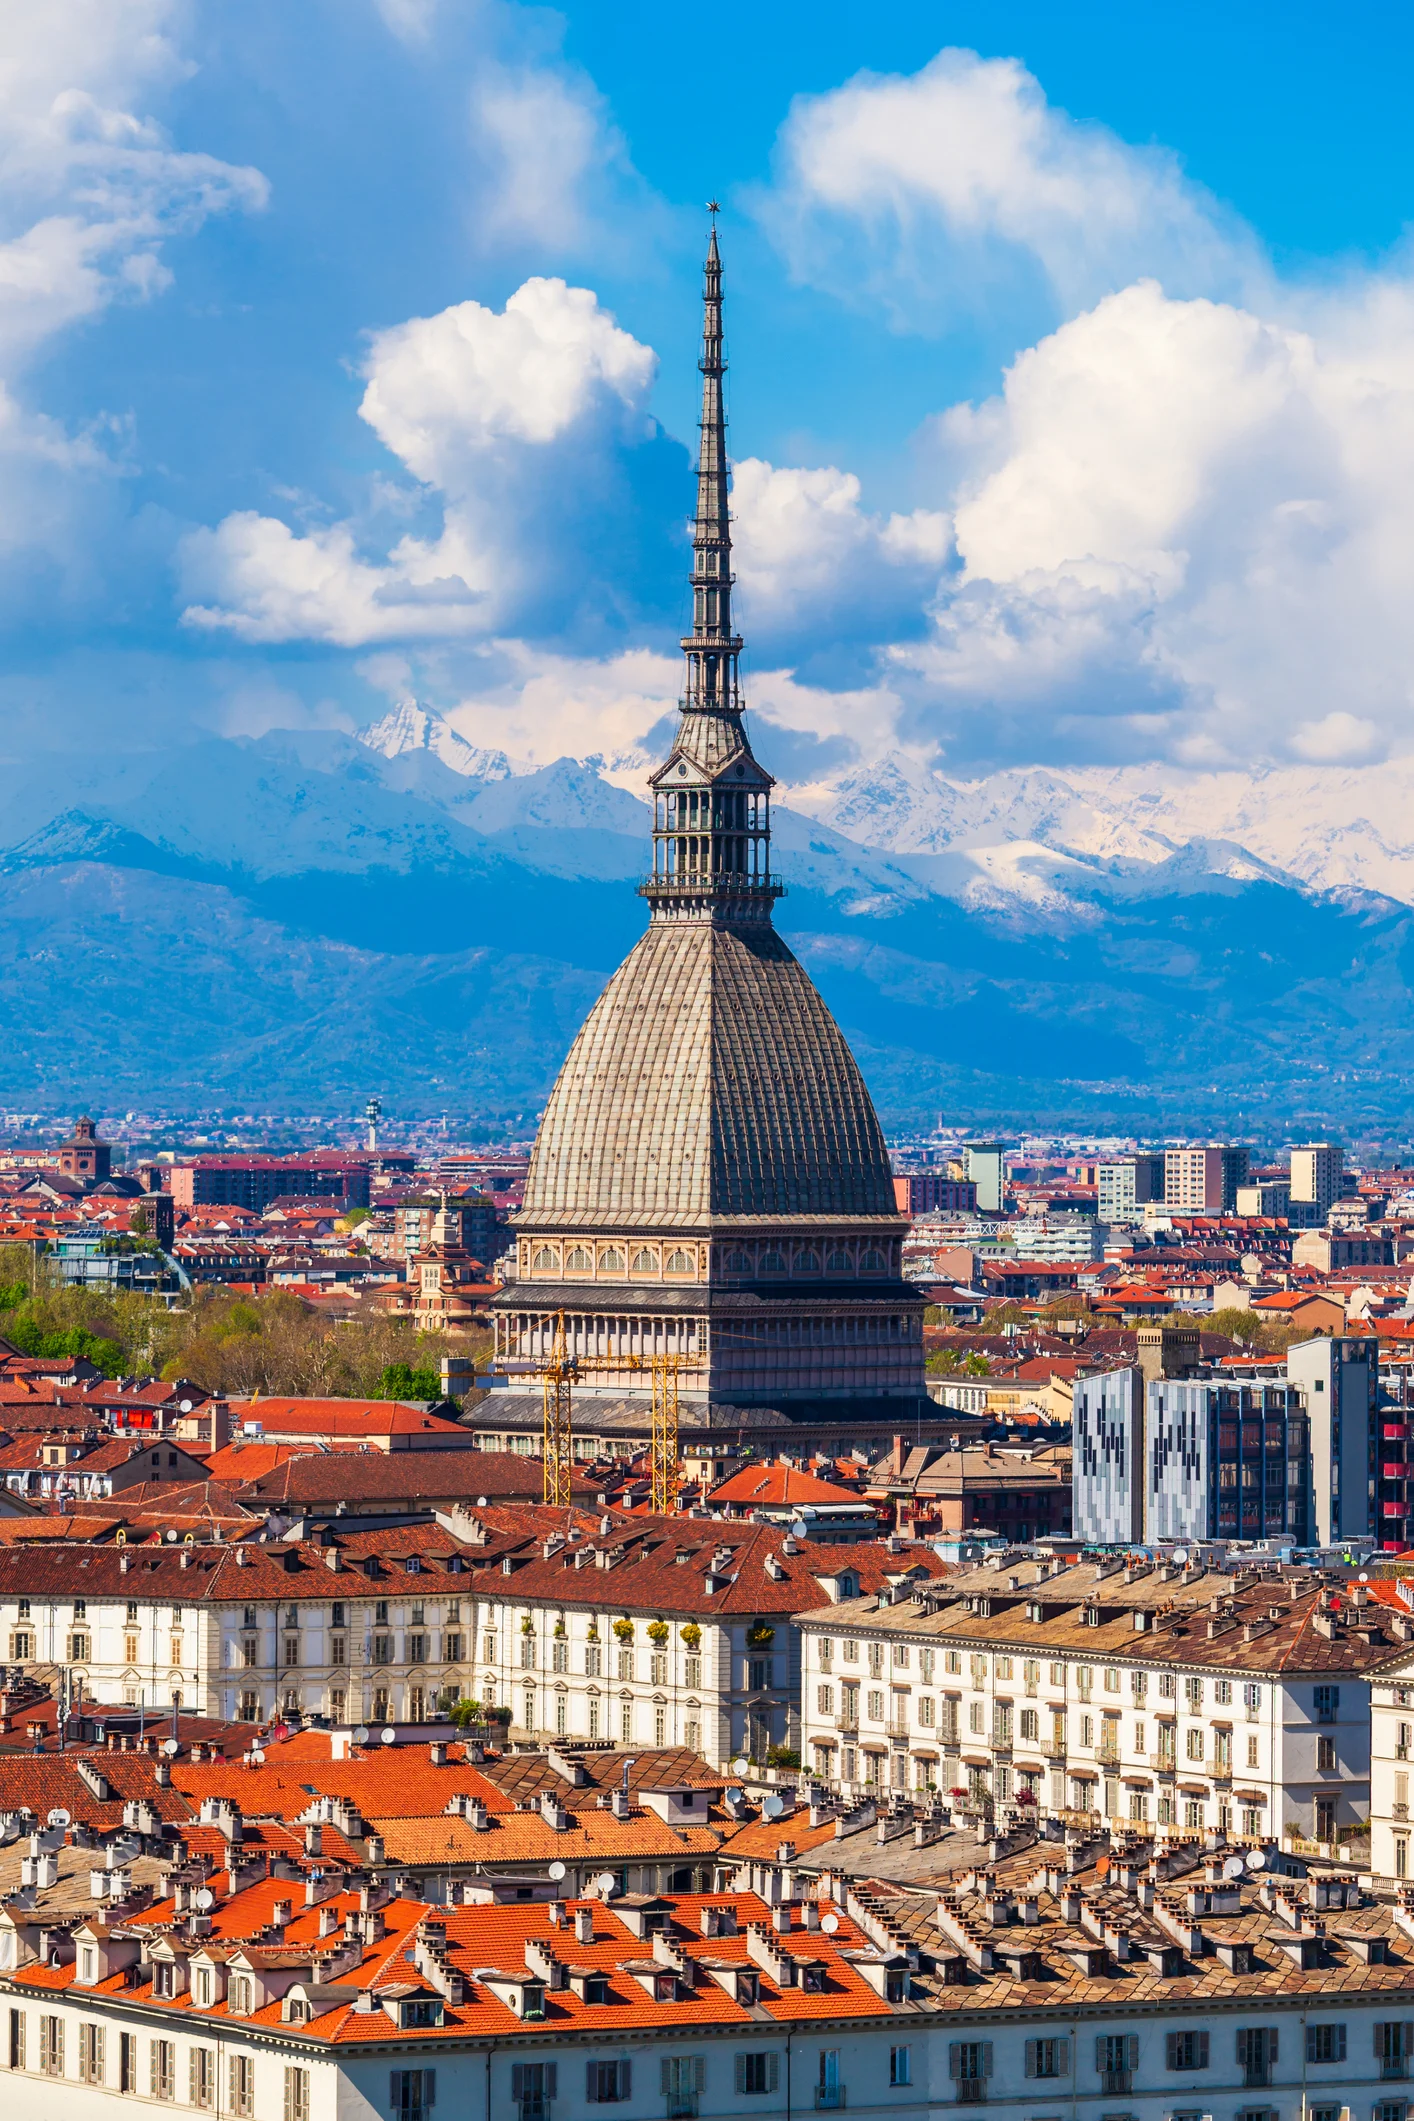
<point>737,1263</point>
<point>543,1259</point>
<point>579,1260</point>
<point>807,1262</point>
<point>839,1262</point>
<point>678,1262</point>
<point>772,1263</point>
<point>872,1261</point>
<point>611,1260</point>
<point>644,1261</point>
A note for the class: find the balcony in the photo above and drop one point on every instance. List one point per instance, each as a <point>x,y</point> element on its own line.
<point>1118,2080</point>
<point>1053,1749</point>
<point>682,2106</point>
<point>898,1727</point>
<point>829,2098</point>
<point>536,2107</point>
<point>971,2091</point>
<point>1107,1755</point>
<point>1393,2068</point>
<point>848,1722</point>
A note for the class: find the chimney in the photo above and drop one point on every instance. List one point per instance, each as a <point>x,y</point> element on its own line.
<point>314,1840</point>
<point>584,1925</point>
<point>899,1454</point>
<point>437,1754</point>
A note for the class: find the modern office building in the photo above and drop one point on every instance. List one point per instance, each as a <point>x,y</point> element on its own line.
<point>984,1163</point>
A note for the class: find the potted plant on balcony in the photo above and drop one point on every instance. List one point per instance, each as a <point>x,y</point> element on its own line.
<point>658,1632</point>
<point>759,1636</point>
<point>1026,1796</point>
<point>691,1634</point>
<point>623,1630</point>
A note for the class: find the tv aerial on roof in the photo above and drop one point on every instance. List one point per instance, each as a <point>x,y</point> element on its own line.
<point>171,1747</point>
<point>557,1872</point>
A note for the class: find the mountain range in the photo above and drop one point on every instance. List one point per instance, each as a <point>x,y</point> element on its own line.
<point>290,922</point>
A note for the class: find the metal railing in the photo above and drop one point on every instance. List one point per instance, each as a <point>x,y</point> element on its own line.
<point>829,2096</point>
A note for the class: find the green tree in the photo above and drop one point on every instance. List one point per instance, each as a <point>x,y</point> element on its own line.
<point>400,1382</point>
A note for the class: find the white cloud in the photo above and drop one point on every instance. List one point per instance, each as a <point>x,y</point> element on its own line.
<point>444,390</point>
<point>810,555</point>
<point>932,192</point>
<point>543,141</point>
<point>505,415</point>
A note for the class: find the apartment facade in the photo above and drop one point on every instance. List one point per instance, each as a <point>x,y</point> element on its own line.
<point>1178,1699</point>
<point>1126,1187</point>
<point>1204,1180</point>
<point>591,1626</point>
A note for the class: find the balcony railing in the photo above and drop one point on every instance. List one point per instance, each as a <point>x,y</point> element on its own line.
<point>1119,2080</point>
<point>971,2091</point>
<point>898,1727</point>
<point>1054,1748</point>
<point>829,2097</point>
<point>1394,2067</point>
<point>536,2107</point>
<point>682,2106</point>
<point>848,1722</point>
<point>1107,1755</point>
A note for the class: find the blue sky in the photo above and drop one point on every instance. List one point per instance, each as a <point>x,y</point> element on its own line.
<point>347,350</point>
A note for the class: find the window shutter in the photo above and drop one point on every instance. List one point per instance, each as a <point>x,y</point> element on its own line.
<point>698,2072</point>
<point>954,2058</point>
<point>1340,2043</point>
<point>665,2076</point>
<point>1063,2057</point>
<point>1201,2059</point>
<point>518,2080</point>
<point>1031,2047</point>
<point>429,2087</point>
<point>152,2064</point>
<point>192,2066</point>
<point>1102,2060</point>
<point>552,2080</point>
<point>1271,2043</point>
<point>1171,2043</point>
<point>739,2073</point>
<point>1244,2045</point>
<point>591,2081</point>
<point>1131,2051</point>
<point>625,2080</point>
<point>986,2058</point>
<point>773,2070</point>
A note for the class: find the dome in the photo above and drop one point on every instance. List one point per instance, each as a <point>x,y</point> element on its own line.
<point>709,1082</point>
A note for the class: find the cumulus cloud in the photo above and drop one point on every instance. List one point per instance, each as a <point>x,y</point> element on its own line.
<point>1191,520</point>
<point>934,192</point>
<point>513,419</point>
<point>811,557</point>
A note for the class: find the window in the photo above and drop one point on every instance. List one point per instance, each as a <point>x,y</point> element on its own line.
<point>533,2086</point>
<point>876,1660</point>
<point>242,2085</point>
<point>825,1701</point>
<point>162,2069</point>
<point>296,2094</point>
<point>1187,2051</point>
<point>1030,1726</point>
<point>1253,1758</point>
<point>851,1652</point>
<point>1195,1742</point>
<point>1325,2043</point>
<point>1168,1686</point>
<point>876,1705</point>
<point>1222,1692</point>
<point>203,2076</point>
<point>417,1649</point>
<point>1325,1756</point>
<point>829,2091</point>
<point>593,1661</point>
<point>51,2046</point>
<point>900,2065</point>
<point>380,1613</point>
<point>382,1649</point>
<point>1048,2058</point>
<point>291,1651</point>
<point>127,2068</point>
<point>1116,2059</point>
<point>969,2066</point>
<point>1394,2043</point>
<point>1327,1703</point>
<point>1256,2053</point>
<point>91,2053</point>
<point>927,1711</point>
<point>413,2094</point>
<point>17,2039</point>
<point>756,2074</point>
<point>625,1664</point>
<point>559,1653</point>
<point>692,1671</point>
<point>608,2083</point>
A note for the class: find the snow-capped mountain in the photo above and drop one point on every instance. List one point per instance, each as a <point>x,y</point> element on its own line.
<point>410,728</point>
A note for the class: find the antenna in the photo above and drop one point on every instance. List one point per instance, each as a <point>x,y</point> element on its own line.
<point>830,1923</point>
<point>1234,1867</point>
<point>739,1767</point>
<point>1256,1860</point>
<point>205,1899</point>
<point>606,1882</point>
<point>171,1747</point>
<point>557,1872</point>
<point>361,1734</point>
<point>388,1735</point>
<point>772,1806</point>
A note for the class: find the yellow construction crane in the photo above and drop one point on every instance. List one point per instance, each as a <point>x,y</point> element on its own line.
<point>558,1375</point>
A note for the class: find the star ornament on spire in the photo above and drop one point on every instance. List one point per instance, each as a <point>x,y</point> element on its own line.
<point>713,208</point>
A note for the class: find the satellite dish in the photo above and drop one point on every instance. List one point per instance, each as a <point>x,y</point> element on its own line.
<point>257,1754</point>
<point>171,1534</point>
<point>830,1924</point>
<point>361,1735</point>
<point>1234,1867</point>
<point>739,1767</point>
<point>171,1747</point>
<point>388,1735</point>
<point>205,1899</point>
<point>557,1872</point>
<point>1364,1576</point>
<point>1256,1861</point>
<point>1181,1556</point>
<point>772,1806</point>
<point>185,1405</point>
<point>59,1817</point>
<point>606,1881</point>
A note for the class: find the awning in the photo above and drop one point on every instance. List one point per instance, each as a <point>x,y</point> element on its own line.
<point>827,1744</point>
<point>872,1745</point>
<point>1136,1782</point>
<point>977,1760</point>
<point>919,1753</point>
<point>1083,1774</point>
<point>1250,1796</point>
<point>1195,1789</point>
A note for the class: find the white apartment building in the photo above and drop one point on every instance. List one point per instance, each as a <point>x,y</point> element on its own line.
<point>1392,1745</point>
<point>643,1631</point>
<point>1157,1696</point>
<point>1317,1172</point>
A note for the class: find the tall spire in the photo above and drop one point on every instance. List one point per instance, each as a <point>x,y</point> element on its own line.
<point>713,651</point>
<point>712,802</point>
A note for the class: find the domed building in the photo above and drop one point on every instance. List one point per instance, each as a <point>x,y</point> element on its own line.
<point>709,1179</point>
